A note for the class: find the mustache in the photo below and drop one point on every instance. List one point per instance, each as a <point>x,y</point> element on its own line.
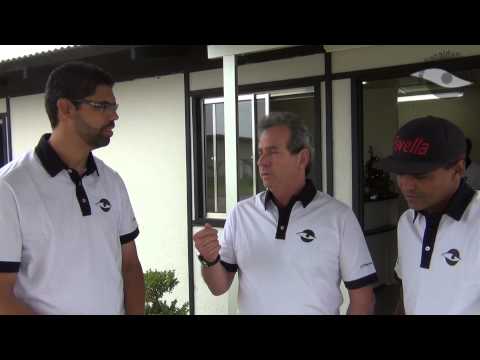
<point>109,126</point>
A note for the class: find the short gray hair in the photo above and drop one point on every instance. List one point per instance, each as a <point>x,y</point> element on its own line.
<point>300,137</point>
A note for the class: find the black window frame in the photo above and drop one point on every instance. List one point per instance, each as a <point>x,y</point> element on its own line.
<point>391,72</point>
<point>5,134</point>
<point>195,98</point>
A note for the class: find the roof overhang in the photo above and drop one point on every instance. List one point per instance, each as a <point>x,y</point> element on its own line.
<point>217,51</point>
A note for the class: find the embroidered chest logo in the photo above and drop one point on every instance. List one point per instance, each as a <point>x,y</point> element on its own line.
<point>452,257</point>
<point>307,235</point>
<point>104,204</point>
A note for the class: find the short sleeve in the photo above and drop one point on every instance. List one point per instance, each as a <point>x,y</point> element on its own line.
<point>398,267</point>
<point>356,265</point>
<point>227,243</point>
<point>11,238</point>
<point>128,227</point>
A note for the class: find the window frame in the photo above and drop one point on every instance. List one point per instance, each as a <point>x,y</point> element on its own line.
<point>199,215</point>
<point>6,140</point>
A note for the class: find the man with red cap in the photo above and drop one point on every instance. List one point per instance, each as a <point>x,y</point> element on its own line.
<point>439,235</point>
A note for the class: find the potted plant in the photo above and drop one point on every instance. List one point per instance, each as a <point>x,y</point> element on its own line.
<point>157,283</point>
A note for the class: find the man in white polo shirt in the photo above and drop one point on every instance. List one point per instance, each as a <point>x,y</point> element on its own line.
<point>439,236</point>
<point>66,220</point>
<point>292,245</point>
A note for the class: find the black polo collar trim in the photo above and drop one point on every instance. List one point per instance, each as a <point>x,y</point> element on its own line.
<point>52,162</point>
<point>305,196</point>
<point>458,203</point>
<point>9,266</point>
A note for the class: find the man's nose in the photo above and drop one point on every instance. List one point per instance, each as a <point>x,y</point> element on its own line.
<point>406,182</point>
<point>261,160</point>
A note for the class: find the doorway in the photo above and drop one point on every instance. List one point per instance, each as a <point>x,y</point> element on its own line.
<point>387,105</point>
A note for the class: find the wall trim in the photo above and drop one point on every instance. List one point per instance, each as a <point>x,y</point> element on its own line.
<point>191,277</point>
<point>329,124</point>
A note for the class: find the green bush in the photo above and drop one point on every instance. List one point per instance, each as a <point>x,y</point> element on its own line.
<point>158,283</point>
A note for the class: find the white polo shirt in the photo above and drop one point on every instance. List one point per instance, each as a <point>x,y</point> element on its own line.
<point>62,233</point>
<point>439,257</point>
<point>292,261</point>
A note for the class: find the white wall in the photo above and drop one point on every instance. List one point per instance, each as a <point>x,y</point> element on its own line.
<point>342,153</point>
<point>28,122</point>
<point>148,151</point>
<point>205,302</point>
<point>342,141</point>
<point>298,67</point>
<point>324,138</point>
<point>390,55</point>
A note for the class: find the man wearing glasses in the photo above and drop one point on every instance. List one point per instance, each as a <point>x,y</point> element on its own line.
<point>68,228</point>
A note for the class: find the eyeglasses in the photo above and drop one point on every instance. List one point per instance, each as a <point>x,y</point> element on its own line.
<point>103,106</point>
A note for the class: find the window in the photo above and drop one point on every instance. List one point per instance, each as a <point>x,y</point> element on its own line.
<point>385,106</point>
<point>4,141</point>
<point>214,150</point>
<point>209,143</point>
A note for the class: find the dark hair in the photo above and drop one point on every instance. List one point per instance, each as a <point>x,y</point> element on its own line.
<point>73,81</point>
<point>299,135</point>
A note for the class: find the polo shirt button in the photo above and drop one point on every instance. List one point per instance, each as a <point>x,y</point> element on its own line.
<point>84,201</point>
<point>282,227</point>
<point>427,248</point>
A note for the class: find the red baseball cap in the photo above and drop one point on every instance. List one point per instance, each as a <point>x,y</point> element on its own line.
<point>423,145</point>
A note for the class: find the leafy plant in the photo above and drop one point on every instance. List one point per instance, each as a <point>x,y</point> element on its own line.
<point>157,283</point>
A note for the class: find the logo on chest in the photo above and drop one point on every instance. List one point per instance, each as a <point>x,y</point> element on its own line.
<point>307,235</point>
<point>104,204</point>
<point>452,257</point>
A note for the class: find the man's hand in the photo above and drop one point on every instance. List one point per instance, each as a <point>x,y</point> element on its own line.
<point>206,242</point>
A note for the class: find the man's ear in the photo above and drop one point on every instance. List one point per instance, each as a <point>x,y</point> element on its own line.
<point>304,157</point>
<point>459,168</point>
<point>65,108</point>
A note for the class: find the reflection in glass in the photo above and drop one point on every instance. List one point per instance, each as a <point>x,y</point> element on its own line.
<point>245,152</point>
<point>261,112</point>
<point>209,159</point>
<point>220,158</point>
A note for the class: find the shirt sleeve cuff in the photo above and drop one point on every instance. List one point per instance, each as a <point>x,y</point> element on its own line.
<point>362,282</point>
<point>9,266</point>
<point>229,267</point>
<point>129,237</point>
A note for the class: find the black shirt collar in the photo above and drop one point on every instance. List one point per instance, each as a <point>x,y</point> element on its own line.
<point>52,162</point>
<point>457,204</point>
<point>305,196</point>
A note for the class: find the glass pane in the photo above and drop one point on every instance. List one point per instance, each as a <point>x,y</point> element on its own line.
<point>3,157</point>
<point>261,112</point>
<point>260,109</point>
<point>245,154</point>
<point>220,138</point>
<point>209,159</point>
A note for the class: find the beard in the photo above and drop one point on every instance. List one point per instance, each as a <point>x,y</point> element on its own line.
<point>92,136</point>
